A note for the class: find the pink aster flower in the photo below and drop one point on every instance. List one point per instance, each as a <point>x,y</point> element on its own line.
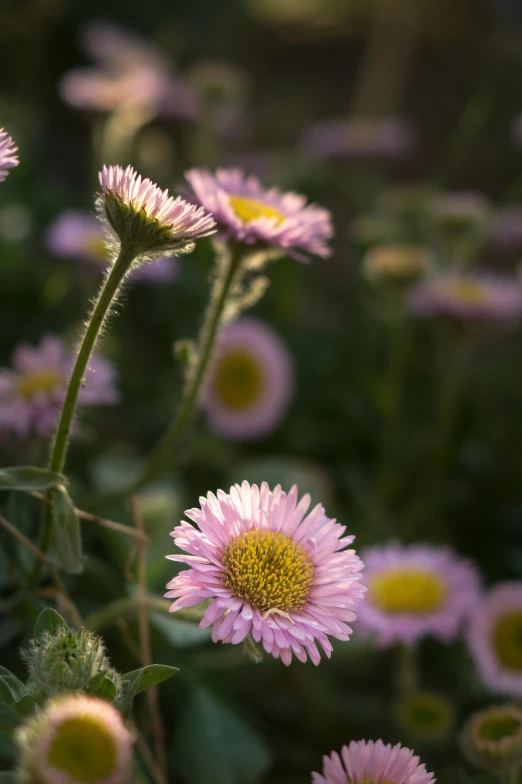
<point>8,156</point>
<point>416,590</point>
<point>130,71</point>
<point>166,223</point>
<point>268,570</point>
<point>389,137</point>
<point>78,235</point>
<point>373,762</point>
<point>245,211</point>
<point>251,381</point>
<point>495,638</point>
<point>32,392</point>
<point>467,296</point>
<point>73,740</point>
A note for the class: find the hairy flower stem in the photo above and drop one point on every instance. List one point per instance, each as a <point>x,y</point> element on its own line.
<point>228,277</point>
<point>106,297</point>
<point>407,669</point>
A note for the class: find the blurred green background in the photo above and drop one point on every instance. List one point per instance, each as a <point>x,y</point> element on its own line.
<point>454,70</point>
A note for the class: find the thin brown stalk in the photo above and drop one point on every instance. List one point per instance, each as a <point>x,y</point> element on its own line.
<point>144,632</point>
<point>60,589</point>
<point>92,518</point>
<point>148,758</point>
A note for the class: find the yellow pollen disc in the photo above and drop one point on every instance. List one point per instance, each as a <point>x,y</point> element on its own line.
<point>507,640</point>
<point>268,570</point>
<point>44,381</point>
<point>248,209</point>
<point>84,748</point>
<point>469,291</point>
<point>407,591</point>
<point>238,380</point>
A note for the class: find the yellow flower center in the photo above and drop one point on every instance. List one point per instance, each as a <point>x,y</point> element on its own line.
<point>268,570</point>
<point>407,591</point>
<point>248,209</point>
<point>83,748</point>
<point>43,381</point>
<point>469,291</point>
<point>238,380</point>
<point>507,640</point>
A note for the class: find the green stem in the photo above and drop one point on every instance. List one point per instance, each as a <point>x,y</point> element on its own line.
<point>407,669</point>
<point>399,345</point>
<point>226,281</point>
<point>95,324</point>
<point>511,777</point>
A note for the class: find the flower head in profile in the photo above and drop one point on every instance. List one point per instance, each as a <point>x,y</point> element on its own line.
<point>415,591</point>
<point>32,392</point>
<point>495,638</point>
<point>269,569</point>
<point>146,218</point>
<point>8,156</point>
<point>397,263</point>
<point>373,762</point>
<point>75,740</point>
<point>78,235</point>
<point>467,297</point>
<point>492,738</point>
<point>247,212</point>
<point>389,137</point>
<point>251,381</point>
<point>130,73</point>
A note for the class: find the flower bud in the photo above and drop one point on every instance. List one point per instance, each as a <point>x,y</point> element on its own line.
<point>74,740</point>
<point>65,661</point>
<point>425,716</point>
<point>492,739</point>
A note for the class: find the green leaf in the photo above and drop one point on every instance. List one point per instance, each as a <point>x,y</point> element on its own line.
<point>29,478</point>
<point>9,720</point>
<point>25,706</point>
<point>67,534</point>
<point>7,778</point>
<point>129,692</point>
<point>213,743</point>
<point>6,695</point>
<point>48,621</point>
<point>106,689</point>
<point>92,684</point>
<point>10,689</point>
<point>151,675</point>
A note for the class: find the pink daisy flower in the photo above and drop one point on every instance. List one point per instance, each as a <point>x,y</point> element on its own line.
<point>74,740</point>
<point>373,762</point>
<point>76,234</point>
<point>495,638</point>
<point>130,71</point>
<point>245,211</point>
<point>8,156</point>
<point>251,381</point>
<point>416,590</point>
<point>467,296</point>
<point>268,570</point>
<point>155,221</point>
<point>389,137</point>
<point>32,392</point>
